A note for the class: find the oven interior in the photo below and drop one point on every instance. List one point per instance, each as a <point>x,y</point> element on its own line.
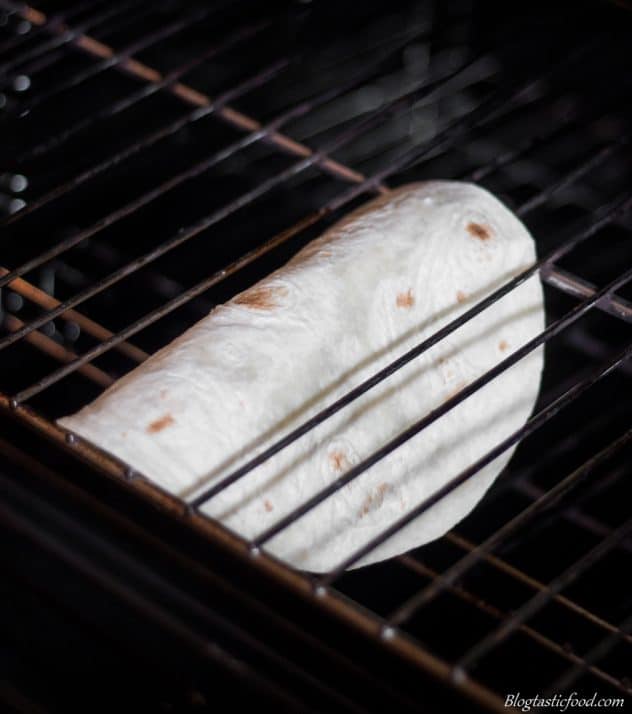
<point>159,158</point>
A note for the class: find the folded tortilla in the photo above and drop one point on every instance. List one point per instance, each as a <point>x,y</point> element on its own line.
<point>375,284</point>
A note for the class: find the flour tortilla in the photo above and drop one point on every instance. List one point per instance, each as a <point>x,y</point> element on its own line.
<point>378,282</point>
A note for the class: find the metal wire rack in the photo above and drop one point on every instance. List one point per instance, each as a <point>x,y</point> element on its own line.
<point>146,136</point>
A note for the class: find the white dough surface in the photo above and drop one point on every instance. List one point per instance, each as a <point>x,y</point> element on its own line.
<point>371,287</point>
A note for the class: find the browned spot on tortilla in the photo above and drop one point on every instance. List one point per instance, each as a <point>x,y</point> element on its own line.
<point>267,505</point>
<point>124,434</point>
<point>374,499</point>
<point>163,393</point>
<point>460,296</point>
<point>503,345</point>
<point>338,460</point>
<point>160,424</point>
<point>479,231</point>
<point>406,300</point>
<point>260,298</point>
<point>454,391</point>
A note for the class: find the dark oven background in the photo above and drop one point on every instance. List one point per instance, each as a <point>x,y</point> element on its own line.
<point>208,129</point>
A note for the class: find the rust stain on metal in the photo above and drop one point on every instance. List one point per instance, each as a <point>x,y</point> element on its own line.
<point>43,299</point>
<point>188,94</point>
<point>33,16</point>
<point>94,46</point>
<point>195,98</point>
<point>141,70</point>
<point>363,622</point>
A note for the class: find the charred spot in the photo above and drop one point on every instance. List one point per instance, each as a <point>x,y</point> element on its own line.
<point>503,345</point>
<point>478,230</point>
<point>461,297</point>
<point>268,506</point>
<point>260,298</point>
<point>159,424</point>
<point>338,460</point>
<point>374,499</point>
<point>405,300</point>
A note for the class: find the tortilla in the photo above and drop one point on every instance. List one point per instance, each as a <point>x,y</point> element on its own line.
<point>371,287</point>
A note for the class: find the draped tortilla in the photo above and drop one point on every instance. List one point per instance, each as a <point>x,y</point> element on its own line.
<point>375,284</point>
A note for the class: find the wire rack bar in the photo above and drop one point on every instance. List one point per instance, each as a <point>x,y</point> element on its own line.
<point>134,98</point>
<point>34,32</point>
<point>50,347</point>
<point>218,156</point>
<point>122,58</point>
<point>607,215</point>
<point>227,587</point>
<point>483,551</point>
<point>578,287</point>
<point>43,299</point>
<point>353,175</point>
<point>587,664</point>
<point>198,610</point>
<point>531,425</point>
<point>56,351</point>
<point>362,620</point>
<point>503,566</point>
<point>63,35</point>
<point>149,140</point>
<point>537,602</point>
<point>538,140</point>
<point>571,120</point>
<point>574,515</point>
<point>549,273</point>
<point>521,90</point>
<point>593,162</point>
<point>602,218</point>
<point>452,537</point>
<point>186,234</point>
<point>496,103</point>
<point>231,116</point>
<point>117,586</point>
<point>197,114</point>
<point>169,79</point>
<point>591,347</point>
<point>50,58</point>
<point>478,603</point>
